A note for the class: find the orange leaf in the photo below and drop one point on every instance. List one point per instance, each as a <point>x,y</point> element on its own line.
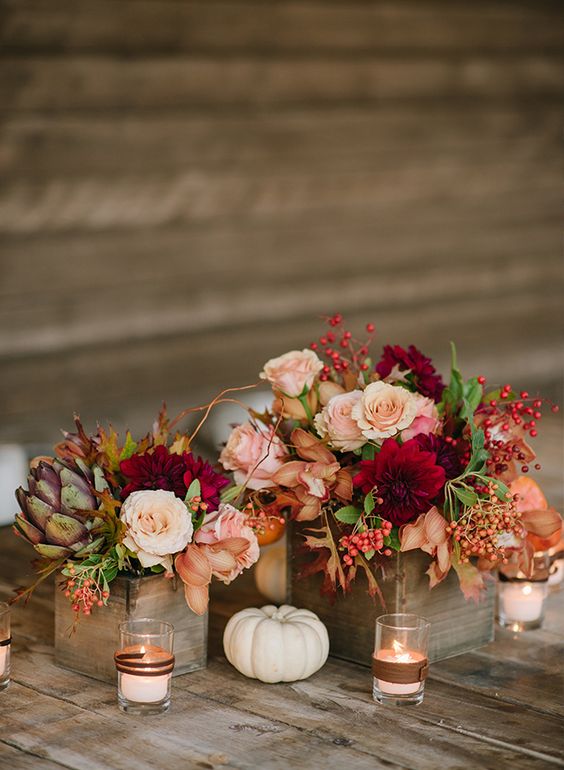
<point>310,448</point>
<point>413,535</point>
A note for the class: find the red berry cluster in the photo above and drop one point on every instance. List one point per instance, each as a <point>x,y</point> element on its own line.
<point>504,415</point>
<point>84,593</point>
<point>362,542</point>
<point>343,352</point>
<point>478,529</point>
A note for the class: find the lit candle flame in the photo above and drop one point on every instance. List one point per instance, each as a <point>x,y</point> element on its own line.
<point>401,656</point>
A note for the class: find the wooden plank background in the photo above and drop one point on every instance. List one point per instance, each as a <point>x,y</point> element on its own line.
<point>186,186</point>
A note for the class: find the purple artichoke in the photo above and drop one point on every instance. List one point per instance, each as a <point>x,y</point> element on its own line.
<point>49,517</point>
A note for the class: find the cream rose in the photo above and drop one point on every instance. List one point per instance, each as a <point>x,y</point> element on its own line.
<point>293,373</point>
<point>426,418</point>
<point>254,454</point>
<point>158,526</point>
<point>384,410</point>
<point>335,422</point>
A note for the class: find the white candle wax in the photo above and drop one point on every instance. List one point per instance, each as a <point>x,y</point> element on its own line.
<point>399,655</point>
<point>3,659</point>
<point>523,601</point>
<point>144,689</point>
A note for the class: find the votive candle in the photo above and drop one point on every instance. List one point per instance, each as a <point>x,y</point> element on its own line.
<point>5,645</point>
<point>400,661</point>
<point>521,603</point>
<point>145,662</point>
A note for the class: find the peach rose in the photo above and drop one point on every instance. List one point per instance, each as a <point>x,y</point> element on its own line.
<point>293,373</point>
<point>384,410</point>
<point>426,419</point>
<point>336,423</point>
<point>254,454</point>
<point>220,529</point>
<point>158,525</point>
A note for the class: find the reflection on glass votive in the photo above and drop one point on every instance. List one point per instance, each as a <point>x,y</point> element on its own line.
<point>521,603</point>
<point>144,663</point>
<point>5,644</point>
<point>400,663</point>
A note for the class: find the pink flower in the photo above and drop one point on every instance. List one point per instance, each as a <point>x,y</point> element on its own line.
<point>293,373</point>
<point>336,424</point>
<point>426,419</point>
<point>223,546</point>
<point>219,528</point>
<point>384,410</point>
<point>254,454</point>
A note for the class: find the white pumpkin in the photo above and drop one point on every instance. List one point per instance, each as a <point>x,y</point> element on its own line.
<point>276,644</point>
<point>270,572</point>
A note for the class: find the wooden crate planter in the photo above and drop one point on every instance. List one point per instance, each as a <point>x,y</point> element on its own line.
<point>90,649</point>
<point>457,625</point>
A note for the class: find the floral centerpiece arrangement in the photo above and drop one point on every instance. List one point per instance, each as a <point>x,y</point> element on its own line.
<point>104,507</point>
<point>383,457</point>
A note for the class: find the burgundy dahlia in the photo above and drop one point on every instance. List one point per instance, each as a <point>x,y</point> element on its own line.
<point>158,469</point>
<point>211,483</point>
<point>406,478</point>
<point>162,469</point>
<point>446,454</point>
<point>424,375</point>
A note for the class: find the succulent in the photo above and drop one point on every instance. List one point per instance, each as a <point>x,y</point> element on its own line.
<point>50,511</point>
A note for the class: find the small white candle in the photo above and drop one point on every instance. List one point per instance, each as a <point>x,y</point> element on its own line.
<point>399,655</point>
<point>144,689</point>
<point>523,602</point>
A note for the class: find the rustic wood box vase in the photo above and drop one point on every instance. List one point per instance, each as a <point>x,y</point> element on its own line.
<point>457,625</point>
<point>90,649</point>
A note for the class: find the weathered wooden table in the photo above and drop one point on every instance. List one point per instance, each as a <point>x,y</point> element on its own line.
<point>498,707</point>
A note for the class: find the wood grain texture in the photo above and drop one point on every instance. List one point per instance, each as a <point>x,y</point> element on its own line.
<point>88,648</point>
<point>186,185</point>
<point>493,708</point>
<point>309,26</point>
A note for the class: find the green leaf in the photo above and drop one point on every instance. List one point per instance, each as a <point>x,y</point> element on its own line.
<point>472,396</point>
<point>369,504</point>
<point>110,572</point>
<point>231,493</point>
<point>348,514</point>
<point>128,448</point>
<point>392,540</point>
<point>369,554</point>
<point>194,490</point>
<point>157,569</point>
<point>368,452</point>
<point>466,496</point>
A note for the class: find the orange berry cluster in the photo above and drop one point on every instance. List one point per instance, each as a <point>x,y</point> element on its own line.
<point>260,520</point>
<point>84,593</point>
<point>477,532</point>
<point>362,542</point>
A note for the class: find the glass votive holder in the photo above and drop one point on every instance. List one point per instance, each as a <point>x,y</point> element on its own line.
<point>5,644</point>
<point>399,662</point>
<point>144,663</point>
<point>521,602</point>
